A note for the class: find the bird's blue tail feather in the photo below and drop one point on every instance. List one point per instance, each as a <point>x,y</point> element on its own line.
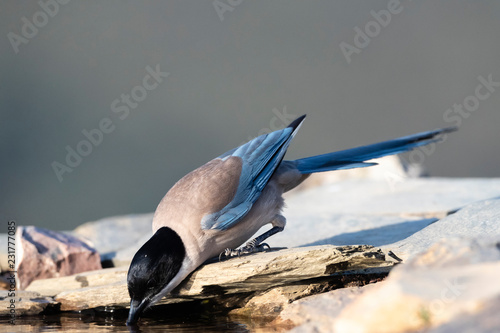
<point>356,157</point>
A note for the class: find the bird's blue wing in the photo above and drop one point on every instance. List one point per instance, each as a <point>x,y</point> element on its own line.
<point>260,157</point>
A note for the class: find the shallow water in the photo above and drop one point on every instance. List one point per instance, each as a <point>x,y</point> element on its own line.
<point>163,319</point>
<point>77,323</point>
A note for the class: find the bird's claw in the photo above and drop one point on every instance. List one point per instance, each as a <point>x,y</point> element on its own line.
<point>250,247</point>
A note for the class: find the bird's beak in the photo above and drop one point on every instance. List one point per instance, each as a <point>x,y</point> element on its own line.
<point>136,309</point>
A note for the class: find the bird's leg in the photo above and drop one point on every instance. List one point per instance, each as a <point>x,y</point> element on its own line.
<point>256,245</point>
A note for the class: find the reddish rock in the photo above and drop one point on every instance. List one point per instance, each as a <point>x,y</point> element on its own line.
<point>43,253</point>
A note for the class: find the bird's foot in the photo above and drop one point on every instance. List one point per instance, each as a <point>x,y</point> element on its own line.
<point>250,247</point>
<point>253,246</point>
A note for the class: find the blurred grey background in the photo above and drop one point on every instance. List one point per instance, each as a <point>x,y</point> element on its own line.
<point>236,69</point>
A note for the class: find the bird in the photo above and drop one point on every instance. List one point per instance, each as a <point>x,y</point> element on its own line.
<point>219,206</point>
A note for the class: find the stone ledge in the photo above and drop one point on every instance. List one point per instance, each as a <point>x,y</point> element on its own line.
<point>245,275</point>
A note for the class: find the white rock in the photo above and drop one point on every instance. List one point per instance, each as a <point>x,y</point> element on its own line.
<point>390,168</point>
<point>115,234</point>
<point>418,197</point>
<point>475,220</point>
<point>123,257</point>
<point>374,211</point>
<point>485,320</point>
<point>431,290</point>
<point>452,285</point>
<point>338,229</point>
<point>317,313</point>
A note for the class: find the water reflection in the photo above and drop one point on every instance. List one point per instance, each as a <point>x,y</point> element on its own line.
<point>86,323</point>
<point>187,319</point>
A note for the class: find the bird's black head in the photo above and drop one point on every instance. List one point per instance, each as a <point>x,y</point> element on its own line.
<point>155,264</point>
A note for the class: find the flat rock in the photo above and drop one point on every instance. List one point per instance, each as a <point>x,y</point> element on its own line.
<point>112,235</point>
<point>478,219</point>
<point>347,229</point>
<point>24,302</point>
<point>102,277</point>
<point>247,274</point>
<point>43,253</point>
<point>374,211</point>
<point>424,197</point>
